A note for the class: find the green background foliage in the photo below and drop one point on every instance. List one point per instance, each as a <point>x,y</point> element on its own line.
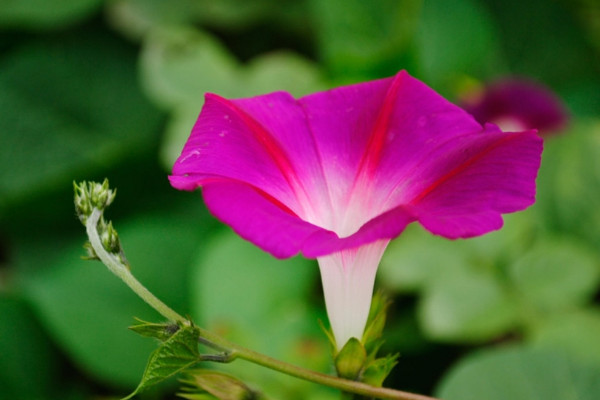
<point>92,89</point>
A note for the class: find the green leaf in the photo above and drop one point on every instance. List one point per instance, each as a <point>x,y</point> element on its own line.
<point>417,259</point>
<point>556,274</point>
<point>161,332</point>
<point>176,354</point>
<point>66,117</point>
<point>466,308</point>
<point>520,374</point>
<point>361,39</point>
<point>43,14</point>
<point>568,198</point>
<point>576,333</point>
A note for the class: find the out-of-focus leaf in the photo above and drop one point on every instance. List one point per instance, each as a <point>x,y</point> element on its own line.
<point>179,66</point>
<point>466,307</point>
<point>27,362</point>
<point>259,302</point>
<point>87,310</point>
<point>67,105</point>
<point>418,258</point>
<point>556,275</point>
<point>44,14</point>
<point>568,196</point>
<point>520,374</point>
<point>456,38</point>
<point>204,384</point>
<point>173,356</point>
<point>137,18</point>
<point>576,333</point>
<point>362,39</point>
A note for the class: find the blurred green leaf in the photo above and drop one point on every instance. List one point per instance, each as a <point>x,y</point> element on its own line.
<point>260,302</point>
<point>417,258</point>
<point>87,309</point>
<point>520,374</point>
<point>44,14</point>
<point>466,307</point>
<point>361,39</point>
<point>576,333</point>
<point>28,364</point>
<point>68,104</point>
<point>137,18</point>
<point>455,39</point>
<point>179,66</point>
<point>568,197</point>
<point>556,274</point>
<point>207,384</point>
<point>173,356</point>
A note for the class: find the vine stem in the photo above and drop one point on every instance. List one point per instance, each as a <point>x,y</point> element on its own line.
<point>233,350</point>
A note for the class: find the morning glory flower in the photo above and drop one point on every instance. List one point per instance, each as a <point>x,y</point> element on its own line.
<point>336,175</point>
<point>518,104</point>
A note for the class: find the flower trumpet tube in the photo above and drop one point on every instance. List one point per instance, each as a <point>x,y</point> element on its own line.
<point>336,175</point>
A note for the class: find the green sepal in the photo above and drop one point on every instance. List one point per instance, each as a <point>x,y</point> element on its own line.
<point>161,332</point>
<point>351,360</point>
<point>329,333</point>
<point>174,355</point>
<point>375,323</point>
<point>204,384</point>
<point>378,369</point>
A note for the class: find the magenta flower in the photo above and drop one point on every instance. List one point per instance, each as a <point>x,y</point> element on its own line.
<point>336,175</point>
<point>518,104</point>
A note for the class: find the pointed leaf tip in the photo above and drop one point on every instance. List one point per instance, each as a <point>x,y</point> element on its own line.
<point>174,355</point>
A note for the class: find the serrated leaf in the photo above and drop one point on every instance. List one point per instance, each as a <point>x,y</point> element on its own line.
<point>161,332</point>
<point>176,354</point>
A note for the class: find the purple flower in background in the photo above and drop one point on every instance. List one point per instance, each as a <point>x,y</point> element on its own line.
<point>518,104</point>
<point>337,174</point>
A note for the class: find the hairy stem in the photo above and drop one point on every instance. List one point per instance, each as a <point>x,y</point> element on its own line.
<point>231,350</point>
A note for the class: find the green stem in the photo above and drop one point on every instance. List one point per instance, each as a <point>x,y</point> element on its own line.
<point>233,350</point>
<point>120,270</point>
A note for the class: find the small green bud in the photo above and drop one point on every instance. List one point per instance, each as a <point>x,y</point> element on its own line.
<point>109,237</point>
<point>220,385</point>
<point>90,195</point>
<point>90,253</point>
<point>351,360</point>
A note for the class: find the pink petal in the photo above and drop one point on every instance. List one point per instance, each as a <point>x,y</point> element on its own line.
<point>353,165</point>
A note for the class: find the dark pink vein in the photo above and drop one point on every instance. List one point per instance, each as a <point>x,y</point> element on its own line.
<point>460,168</point>
<point>267,141</point>
<point>377,139</point>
